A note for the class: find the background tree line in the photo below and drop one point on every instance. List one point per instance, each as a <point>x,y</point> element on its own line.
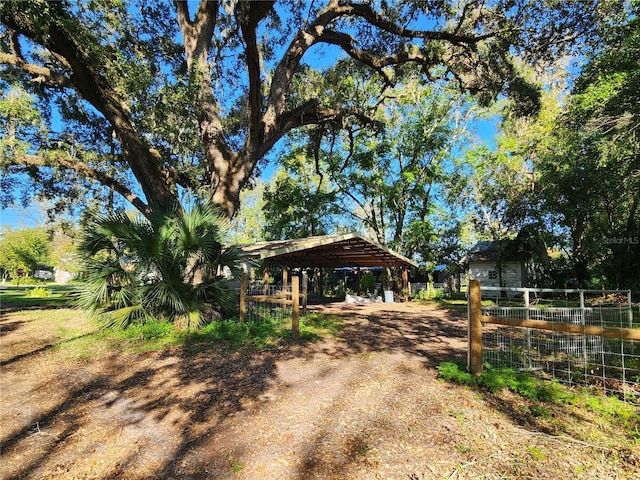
<point>366,108</point>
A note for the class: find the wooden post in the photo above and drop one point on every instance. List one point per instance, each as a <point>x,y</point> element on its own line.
<point>243,297</point>
<point>475,328</point>
<point>358,277</point>
<point>305,291</point>
<point>405,284</point>
<point>320,286</point>
<point>295,307</point>
<point>285,281</point>
<point>265,278</point>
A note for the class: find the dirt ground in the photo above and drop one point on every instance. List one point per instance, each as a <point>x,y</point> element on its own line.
<point>364,405</point>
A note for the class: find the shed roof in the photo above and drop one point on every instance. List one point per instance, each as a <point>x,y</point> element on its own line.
<point>350,250</point>
<point>488,252</point>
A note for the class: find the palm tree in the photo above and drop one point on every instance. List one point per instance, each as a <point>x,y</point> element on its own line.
<point>162,266</point>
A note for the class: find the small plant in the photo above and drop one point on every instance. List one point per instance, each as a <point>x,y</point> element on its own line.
<point>362,450</point>
<point>150,330</point>
<point>497,379</point>
<point>236,467</point>
<point>537,453</point>
<point>452,372</point>
<point>38,292</point>
<point>431,294</point>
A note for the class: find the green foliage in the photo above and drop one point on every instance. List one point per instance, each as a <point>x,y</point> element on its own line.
<point>163,267</point>
<point>548,392</point>
<point>430,294</point>
<point>25,248</point>
<point>255,334</point>
<point>497,379</point>
<point>452,372</point>
<point>591,176</point>
<point>15,298</point>
<point>150,330</point>
<point>298,204</point>
<point>368,282</point>
<point>38,292</point>
<point>248,225</point>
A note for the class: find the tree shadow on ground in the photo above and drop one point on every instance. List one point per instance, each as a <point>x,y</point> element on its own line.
<point>158,408</point>
<point>435,335</point>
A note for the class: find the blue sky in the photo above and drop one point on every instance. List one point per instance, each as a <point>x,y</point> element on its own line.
<point>318,57</point>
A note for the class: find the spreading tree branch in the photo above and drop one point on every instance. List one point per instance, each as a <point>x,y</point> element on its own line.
<point>40,74</point>
<point>84,170</point>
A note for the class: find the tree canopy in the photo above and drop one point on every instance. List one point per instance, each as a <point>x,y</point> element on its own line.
<point>149,100</point>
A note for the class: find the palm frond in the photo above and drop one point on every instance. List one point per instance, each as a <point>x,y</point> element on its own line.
<point>162,265</point>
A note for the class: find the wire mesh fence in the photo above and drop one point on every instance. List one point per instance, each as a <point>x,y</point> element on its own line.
<point>272,303</point>
<point>265,304</point>
<point>611,364</point>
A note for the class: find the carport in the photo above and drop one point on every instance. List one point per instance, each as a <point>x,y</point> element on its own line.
<point>328,251</point>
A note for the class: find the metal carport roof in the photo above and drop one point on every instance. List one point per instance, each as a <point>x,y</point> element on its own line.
<point>350,250</point>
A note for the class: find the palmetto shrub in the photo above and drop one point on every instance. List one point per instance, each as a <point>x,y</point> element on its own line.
<point>163,266</point>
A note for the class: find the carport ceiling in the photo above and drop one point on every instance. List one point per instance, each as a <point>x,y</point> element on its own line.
<point>349,250</point>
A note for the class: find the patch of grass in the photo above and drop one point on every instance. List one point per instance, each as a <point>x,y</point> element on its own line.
<point>260,334</point>
<point>497,379</point>
<point>431,294</point>
<point>615,410</point>
<point>544,395</point>
<point>53,296</point>
<point>456,302</point>
<point>319,325</point>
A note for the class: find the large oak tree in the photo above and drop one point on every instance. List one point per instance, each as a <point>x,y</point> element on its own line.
<point>151,99</point>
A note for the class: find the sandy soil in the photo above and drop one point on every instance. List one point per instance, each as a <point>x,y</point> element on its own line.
<point>364,405</point>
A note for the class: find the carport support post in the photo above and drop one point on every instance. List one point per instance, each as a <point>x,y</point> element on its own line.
<point>285,278</point>
<point>320,285</point>
<point>405,284</point>
<point>265,278</point>
<point>295,307</point>
<point>475,328</point>
<point>305,291</point>
<point>285,281</point>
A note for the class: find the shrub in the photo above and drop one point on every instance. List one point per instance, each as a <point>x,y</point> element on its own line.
<point>162,266</point>
<point>432,294</point>
<point>38,292</point>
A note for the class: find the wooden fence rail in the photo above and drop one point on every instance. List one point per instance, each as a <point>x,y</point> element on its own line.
<point>282,298</point>
<point>476,319</point>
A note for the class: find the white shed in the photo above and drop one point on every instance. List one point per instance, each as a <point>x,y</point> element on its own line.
<point>513,271</point>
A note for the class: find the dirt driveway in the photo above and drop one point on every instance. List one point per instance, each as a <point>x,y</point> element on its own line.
<point>365,405</point>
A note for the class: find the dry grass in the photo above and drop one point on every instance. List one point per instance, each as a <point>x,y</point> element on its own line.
<point>364,405</point>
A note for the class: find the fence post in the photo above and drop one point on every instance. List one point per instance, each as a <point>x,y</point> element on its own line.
<point>265,277</point>
<point>475,328</point>
<point>630,309</point>
<point>527,331</point>
<point>295,307</point>
<point>243,297</point>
